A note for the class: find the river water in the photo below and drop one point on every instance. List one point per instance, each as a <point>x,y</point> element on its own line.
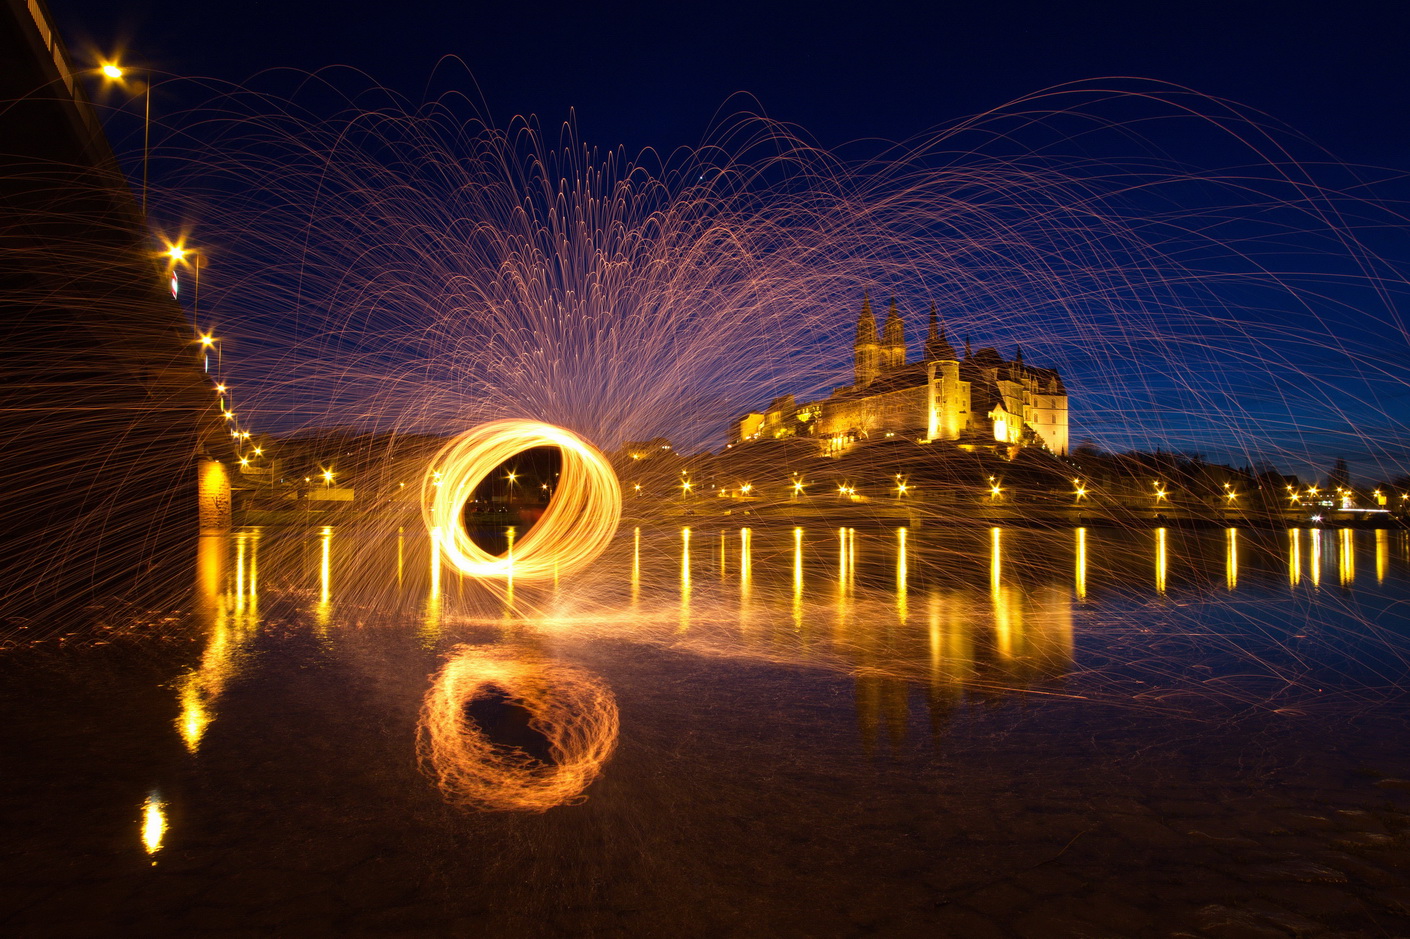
<point>821,731</point>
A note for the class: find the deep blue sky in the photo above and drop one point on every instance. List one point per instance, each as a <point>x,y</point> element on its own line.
<point>656,74</point>
<point>653,74</point>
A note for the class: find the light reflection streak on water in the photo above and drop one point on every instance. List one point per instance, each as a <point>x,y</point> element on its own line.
<point>724,549</point>
<point>323,612</point>
<point>509,534</point>
<point>901,574</point>
<point>843,607</point>
<point>685,580</point>
<point>1161,560</point>
<point>995,561</point>
<point>431,620</point>
<point>1347,556</point>
<point>154,823</point>
<point>1003,602</point>
<point>746,561</point>
<point>1382,554</point>
<point>1231,558</point>
<point>240,543</point>
<point>401,553</point>
<point>1080,563</point>
<point>1315,557</point>
<point>841,562</point>
<point>636,566</point>
<point>797,578</point>
<point>1294,556</point>
<point>229,621</point>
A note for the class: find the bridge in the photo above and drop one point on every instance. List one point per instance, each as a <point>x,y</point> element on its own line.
<point>105,415</point>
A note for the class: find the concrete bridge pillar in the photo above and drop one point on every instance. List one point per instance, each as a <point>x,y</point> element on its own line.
<point>213,495</point>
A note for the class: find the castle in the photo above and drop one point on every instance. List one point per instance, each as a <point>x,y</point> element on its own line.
<point>980,400</point>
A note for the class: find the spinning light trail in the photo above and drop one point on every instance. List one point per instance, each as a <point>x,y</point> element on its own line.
<point>580,519</point>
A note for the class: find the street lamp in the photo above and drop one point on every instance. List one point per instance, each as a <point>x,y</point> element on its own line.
<point>116,73</point>
<point>177,253</point>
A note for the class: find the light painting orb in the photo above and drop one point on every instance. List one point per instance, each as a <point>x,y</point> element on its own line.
<point>577,525</point>
<point>572,711</point>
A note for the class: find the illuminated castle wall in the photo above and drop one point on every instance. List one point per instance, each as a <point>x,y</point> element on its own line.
<point>978,400</point>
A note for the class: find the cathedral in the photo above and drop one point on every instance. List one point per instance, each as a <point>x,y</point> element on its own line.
<point>978,400</point>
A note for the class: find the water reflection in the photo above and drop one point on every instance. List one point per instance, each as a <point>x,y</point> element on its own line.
<point>1346,557</point>
<point>958,612</point>
<point>746,564</point>
<point>229,619</point>
<point>1231,558</point>
<point>508,732</point>
<point>1162,559</point>
<point>1315,557</point>
<point>636,566</point>
<point>324,610</point>
<point>431,618</point>
<point>153,823</point>
<point>1079,564</point>
<point>797,578</point>
<point>685,579</point>
<point>902,576</point>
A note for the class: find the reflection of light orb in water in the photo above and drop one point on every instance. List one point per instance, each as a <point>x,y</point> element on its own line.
<point>573,712</point>
<point>575,527</point>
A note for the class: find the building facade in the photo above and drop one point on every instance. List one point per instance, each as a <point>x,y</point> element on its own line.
<point>979,399</point>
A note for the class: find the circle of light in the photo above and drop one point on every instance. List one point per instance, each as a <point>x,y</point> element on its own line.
<point>579,521</point>
<point>574,710</point>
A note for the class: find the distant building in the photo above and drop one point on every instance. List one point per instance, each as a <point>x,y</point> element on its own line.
<point>978,400</point>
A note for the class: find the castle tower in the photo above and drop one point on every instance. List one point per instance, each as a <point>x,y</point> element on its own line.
<point>893,352</point>
<point>937,347</point>
<point>866,350</point>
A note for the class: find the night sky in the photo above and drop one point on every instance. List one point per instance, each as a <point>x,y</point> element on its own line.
<point>657,74</point>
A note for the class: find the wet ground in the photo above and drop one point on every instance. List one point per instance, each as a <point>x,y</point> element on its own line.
<point>816,734</point>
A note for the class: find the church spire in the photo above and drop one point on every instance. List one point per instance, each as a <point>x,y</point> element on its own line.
<point>937,347</point>
<point>866,351</point>
<point>893,338</point>
<point>866,323</point>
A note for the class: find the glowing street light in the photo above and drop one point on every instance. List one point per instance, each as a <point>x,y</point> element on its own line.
<point>116,73</point>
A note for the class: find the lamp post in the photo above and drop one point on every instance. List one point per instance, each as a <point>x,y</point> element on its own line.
<point>116,73</point>
<point>195,258</point>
